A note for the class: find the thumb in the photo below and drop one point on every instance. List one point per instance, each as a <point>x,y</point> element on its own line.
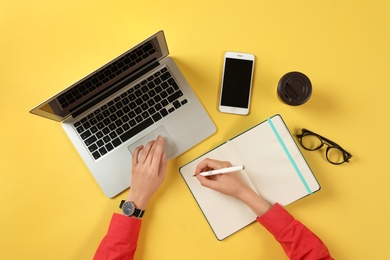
<point>207,182</point>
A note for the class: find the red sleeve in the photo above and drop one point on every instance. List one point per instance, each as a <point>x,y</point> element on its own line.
<point>121,239</point>
<point>297,240</point>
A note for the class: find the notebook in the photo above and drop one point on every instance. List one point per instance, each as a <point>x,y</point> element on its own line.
<point>126,103</point>
<point>274,168</point>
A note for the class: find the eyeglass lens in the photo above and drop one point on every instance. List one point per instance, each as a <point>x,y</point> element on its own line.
<point>335,155</point>
<point>311,142</point>
<point>314,142</point>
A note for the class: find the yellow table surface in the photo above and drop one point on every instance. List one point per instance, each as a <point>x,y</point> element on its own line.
<point>51,208</point>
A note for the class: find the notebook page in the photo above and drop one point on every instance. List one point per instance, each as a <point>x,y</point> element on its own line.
<point>225,214</point>
<point>268,165</point>
<point>244,175</point>
<point>292,147</point>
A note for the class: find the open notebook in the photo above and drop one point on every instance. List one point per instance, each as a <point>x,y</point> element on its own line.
<point>274,167</point>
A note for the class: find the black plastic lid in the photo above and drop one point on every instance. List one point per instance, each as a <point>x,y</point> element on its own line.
<point>294,88</point>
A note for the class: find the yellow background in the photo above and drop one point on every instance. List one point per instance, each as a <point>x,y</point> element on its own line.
<point>51,208</point>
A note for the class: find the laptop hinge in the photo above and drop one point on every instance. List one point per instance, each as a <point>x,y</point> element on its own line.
<point>114,88</point>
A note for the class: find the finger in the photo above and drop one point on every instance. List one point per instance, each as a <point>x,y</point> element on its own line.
<point>136,154</point>
<point>211,164</point>
<point>157,151</point>
<point>207,182</point>
<point>203,166</point>
<point>163,166</point>
<point>145,152</point>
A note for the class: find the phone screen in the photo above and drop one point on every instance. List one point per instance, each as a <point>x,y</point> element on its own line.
<point>236,83</point>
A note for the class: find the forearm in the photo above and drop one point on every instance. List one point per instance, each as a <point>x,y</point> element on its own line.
<point>258,205</point>
<point>121,239</point>
<point>296,239</point>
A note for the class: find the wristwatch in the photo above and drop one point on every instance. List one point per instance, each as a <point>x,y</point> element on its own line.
<point>129,209</point>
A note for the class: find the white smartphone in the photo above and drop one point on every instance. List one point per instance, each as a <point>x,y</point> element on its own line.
<point>236,84</point>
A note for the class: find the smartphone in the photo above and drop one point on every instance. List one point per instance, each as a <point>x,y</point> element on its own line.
<point>236,84</point>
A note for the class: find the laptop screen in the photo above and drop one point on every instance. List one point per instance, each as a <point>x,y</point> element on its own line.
<point>104,79</point>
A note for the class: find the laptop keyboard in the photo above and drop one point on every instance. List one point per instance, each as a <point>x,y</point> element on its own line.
<point>130,112</point>
<point>109,72</point>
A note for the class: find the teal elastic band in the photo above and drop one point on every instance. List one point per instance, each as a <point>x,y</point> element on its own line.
<point>289,156</point>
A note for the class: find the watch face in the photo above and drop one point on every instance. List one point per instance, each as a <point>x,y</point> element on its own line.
<point>128,208</point>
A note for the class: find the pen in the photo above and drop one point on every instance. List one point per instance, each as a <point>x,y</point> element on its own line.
<point>223,170</point>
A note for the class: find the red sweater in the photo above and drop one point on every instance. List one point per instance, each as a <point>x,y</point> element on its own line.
<point>297,240</point>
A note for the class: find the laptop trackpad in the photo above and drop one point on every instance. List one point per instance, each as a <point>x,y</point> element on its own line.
<point>170,147</point>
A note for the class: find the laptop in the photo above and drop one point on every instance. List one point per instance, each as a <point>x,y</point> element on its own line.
<point>124,104</point>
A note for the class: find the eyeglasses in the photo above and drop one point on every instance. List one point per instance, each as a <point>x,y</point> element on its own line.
<point>334,153</point>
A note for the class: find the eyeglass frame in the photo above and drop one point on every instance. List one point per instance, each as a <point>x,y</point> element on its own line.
<point>326,141</point>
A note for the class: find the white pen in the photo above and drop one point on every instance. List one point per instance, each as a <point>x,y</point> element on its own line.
<point>223,170</point>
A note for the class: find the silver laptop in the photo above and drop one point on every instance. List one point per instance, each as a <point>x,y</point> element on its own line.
<point>128,102</point>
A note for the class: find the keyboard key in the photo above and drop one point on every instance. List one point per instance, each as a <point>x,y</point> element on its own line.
<point>118,122</point>
<point>165,76</point>
<point>138,119</point>
<point>106,139</point>
<point>125,118</point>
<point>100,143</point>
<point>93,148</point>
<point>176,104</point>
<point>170,90</point>
<point>172,82</point>
<point>99,135</point>
<point>80,129</point>
<point>158,107</point>
<point>86,134</point>
<point>112,127</point>
<point>119,131</point>
<point>144,89</point>
<point>151,111</point>
<point>106,113</point>
<point>106,130</point>
<point>90,140</point>
<point>157,98</point>
<point>93,121</point>
<point>106,121</point>
<point>126,127</point>
<point>164,94</point>
<point>135,130</point>
<point>94,129</point>
<point>144,106</point>
<point>164,112</point>
<point>96,155</point>
<point>116,142</point>
<point>102,151</point>
<point>175,96</point>
<point>100,125</point>
<point>86,125</point>
<point>138,101</point>
<point>145,114</point>
<point>109,147</point>
<point>156,117</point>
